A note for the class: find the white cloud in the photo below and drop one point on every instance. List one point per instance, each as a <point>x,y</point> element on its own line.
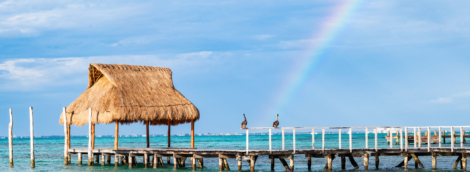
<point>263,37</point>
<point>451,99</point>
<point>37,73</point>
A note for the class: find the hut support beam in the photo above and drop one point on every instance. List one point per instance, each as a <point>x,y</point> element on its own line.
<point>192,134</point>
<point>90,154</point>
<point>66,153</point>
<point>68,143</point>
<point>148,140</point>
<point>169,133</point>
<point>10,138</point>
<point>92,136</point>
<point>116,135</point>
<point>31,137</point>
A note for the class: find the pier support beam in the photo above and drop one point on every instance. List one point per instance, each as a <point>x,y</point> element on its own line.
<point>353,162</point>
<point>193,162</point>
<point>434,161</point>
<point>309,162</point>
<point>284,163</point>
<point>103,157</point>
<point>10,138</point>
<point>130,161</point>
<point>109,159</point>
<point>200,162</point>
<point>79,158</point>
<point>457,161</point>
<point>329,163</point>
<point>272,162</point>
<point>239,164</point>
<point>343,162</point>
<point>292,163</point>
<point>227,167</point>
<point>252,163</point>
<point>377,161</point>
<point>97,159</point>
<point>417,160</point>
<point>405,161</point>
<point>175,162</point>
<point>145,160</point>
<point>366,161</point>
<point>116,160</point>
<point>464,162</point>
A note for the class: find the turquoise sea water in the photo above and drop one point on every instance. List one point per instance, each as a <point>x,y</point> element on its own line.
<point>49,152</point>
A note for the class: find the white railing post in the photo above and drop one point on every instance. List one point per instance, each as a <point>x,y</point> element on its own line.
<point>367,139</point>
<point>462,136</point>
<point>452,139</point>
<point>419,137</point>
<point>401,139</point>
<point>270,140</point>
<point>247,140</point>
<point>429,139</point>
<point>440,136</point>
<point>323,139</point>
<point>391,137</point>
<point>406,139</point>
<point>339,135</point>
<point>350,139</point>
<point>283,139</point>
<point>414,137</point>
<point>313,138</point>
<point>293,132</point>
<point>376,148</point>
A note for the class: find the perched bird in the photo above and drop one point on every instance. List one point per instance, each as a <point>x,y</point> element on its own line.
<point>244,122</point>
<point>276,123</point>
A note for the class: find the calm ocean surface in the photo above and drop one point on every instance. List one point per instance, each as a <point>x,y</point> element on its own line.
<point>49,152</point>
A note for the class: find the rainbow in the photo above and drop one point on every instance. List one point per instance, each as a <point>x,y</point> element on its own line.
<point>313,54</point>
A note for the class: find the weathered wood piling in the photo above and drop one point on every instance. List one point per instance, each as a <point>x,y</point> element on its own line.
<point>31,126</point>
<point>10,138</point>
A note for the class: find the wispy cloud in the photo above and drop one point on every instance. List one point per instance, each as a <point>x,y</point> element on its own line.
<point>451,99</point>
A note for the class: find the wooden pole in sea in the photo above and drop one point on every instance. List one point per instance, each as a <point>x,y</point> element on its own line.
<point>31,127</point>
<point>90,154</point>
<point>66,159</point>
<point>10,137</point>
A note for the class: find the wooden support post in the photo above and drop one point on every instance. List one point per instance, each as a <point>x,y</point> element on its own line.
<point>330,161</point>
<point>109,159</point>
<point>227,167</point>
<point>131,161</point>
<point>200,162</point>
<point>103,157</point>
<point>116,160</point>
<point>169,134</point>
<point>444,139</point>
<point>454,138</point>
<point>353,162</point>
<point>183,162</point>
<point>79,158</point>
<point>457,161</point>
<point>192,134</point>
<point>168,159</point>
<point>284,163</point>
<point>221,166</point>
<point>407,158</point>
<point>434,161</point>
<point>309,162</point>
<point>97,159</point>
<point>90,154</point>
<point>292,163</point>
<point>417,160</point>
<point>92,136</point>
<point>366,161</point>
<point>252,163</point>
<point>405,161</point>
<point>272,162</point>
<point>145,160</point>
<point>464,161</point>
<point>68,143</point>
<point>398,139</point>
<point>239,164</point>
<point>10,138</point>
<point>31,137</point>
<point>343,162</point>
<point>193,160</point>
<point>175,162</point>
<point>147,129</point>
<point>377,160</point>
<point>116,135</point>
<point>155,161</point>
<point>66,153</point>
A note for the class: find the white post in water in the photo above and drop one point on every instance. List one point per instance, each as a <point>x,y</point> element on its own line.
<point>406,138</point>
<point>339,135</point>
<point>323,139</point>
<point>429,139</point>
<point>90,153</point>
<point>313,138</point>
<point>293,132</point>
<point>376,146</point>
<point>452,139</point>
<point>350,139</point>
<point>65,138</point>
<point>440,136</point>
<point>270,140</point>
<point>10,137</point>
<point>391,137</point>
<point>367,139</point>
<point>401,139</point>
<point>419,137</point>
<point>31,127</point>
<point>283,139</point>
<point>414,137</point>
<point>246,141</point>
<point>462,136</point>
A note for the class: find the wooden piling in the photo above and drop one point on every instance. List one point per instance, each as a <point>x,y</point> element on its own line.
<point>108,160</point>
<point>148,136</point>
<point>272,162</point>
<point>366,161</point>
<point>239,163</point>
<point>145,160</point>
<point>464,162</point>
<point>417,160</point>
<point>155,161</point>
<point>10,138</point>
<point>252,163</point>
<point>192,134</point>
<point>434,161</point>
<point>66,153</point>
<point>309,162</point>
<point>284,163</point>
<point>168,159</point>
<point>103,157</point>
<point>175,161</point>
<point>97,159</point>
<point>90,154</point>
<point>227,167</point>
<point>457,162</point>
<point>79,158</point>
<point>116,160</point>
<point>330,161</point>
<point>116,135</point>
<point>200,162</point>
<point>398,139</point>
<point>377,160</point>
<point>405,161</point>
<point>221,164</point>
<point>343,162</point>
<point>353,162</point>
<point>31,126</point>
<point>193,160</point>
<point>131,161</point>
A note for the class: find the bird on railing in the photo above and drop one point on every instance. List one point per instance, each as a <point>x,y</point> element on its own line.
<point>244,122</point>
<point>276,123</point>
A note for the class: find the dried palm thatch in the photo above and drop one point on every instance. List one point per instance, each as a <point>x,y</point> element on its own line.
<point>130,93</point>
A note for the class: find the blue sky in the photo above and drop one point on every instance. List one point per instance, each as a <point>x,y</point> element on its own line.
<point>392,63</point>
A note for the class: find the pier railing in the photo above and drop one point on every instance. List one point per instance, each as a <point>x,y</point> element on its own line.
<point>402,132</point>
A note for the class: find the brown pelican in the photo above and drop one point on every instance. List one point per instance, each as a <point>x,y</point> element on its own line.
<point>244,122</point>
<point>276,123</point>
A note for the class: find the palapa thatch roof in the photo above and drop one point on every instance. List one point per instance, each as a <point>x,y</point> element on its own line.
<point>130,93</point>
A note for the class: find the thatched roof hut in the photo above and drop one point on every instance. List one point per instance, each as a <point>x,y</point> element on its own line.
<point>125,94</point>
<point>131,93</point>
